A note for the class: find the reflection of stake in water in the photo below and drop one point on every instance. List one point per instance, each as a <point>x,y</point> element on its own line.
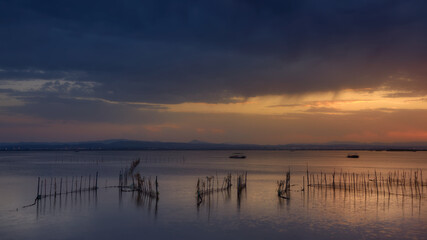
<point>65,201</point>
<point>241,187</point>
<point>211,201</point>
<point>143,200</point>
<point>242,194</point>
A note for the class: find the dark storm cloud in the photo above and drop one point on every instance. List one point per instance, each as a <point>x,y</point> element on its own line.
<point>177,51</point>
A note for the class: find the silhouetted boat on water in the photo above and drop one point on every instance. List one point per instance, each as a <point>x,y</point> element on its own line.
<point>353,155</point>
<point>237,155</point>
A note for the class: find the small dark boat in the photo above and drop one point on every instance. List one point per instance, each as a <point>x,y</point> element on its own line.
<point>237,155</point>
<point>353,155</point>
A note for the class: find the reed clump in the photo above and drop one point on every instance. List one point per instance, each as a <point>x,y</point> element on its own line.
<point>140,184</point>
<point>241,181</point>
<point>133,165</point>
<point>284,186</point>
<point>210,184</point>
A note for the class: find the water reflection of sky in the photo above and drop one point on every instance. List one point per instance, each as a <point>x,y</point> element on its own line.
<point>316,213</point>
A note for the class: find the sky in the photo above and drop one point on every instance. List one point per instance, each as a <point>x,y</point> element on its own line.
<point>224,71</point>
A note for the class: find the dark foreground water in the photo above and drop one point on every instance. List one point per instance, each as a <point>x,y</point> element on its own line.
<point>257,213</point>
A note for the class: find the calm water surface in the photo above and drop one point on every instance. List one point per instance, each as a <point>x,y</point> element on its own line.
<point>257,213</point>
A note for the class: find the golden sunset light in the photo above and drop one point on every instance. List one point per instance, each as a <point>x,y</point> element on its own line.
<point>213,119</point>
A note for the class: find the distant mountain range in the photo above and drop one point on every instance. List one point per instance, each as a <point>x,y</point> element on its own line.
<point>122,144</point>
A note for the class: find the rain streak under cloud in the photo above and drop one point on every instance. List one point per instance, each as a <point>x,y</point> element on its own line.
<point>219,71</point>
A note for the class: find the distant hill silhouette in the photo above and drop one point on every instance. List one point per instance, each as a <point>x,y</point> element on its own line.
<point>121,144</point>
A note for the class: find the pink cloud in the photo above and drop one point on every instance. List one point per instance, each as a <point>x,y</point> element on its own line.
<point>408,135</point>
<point>160,127</point>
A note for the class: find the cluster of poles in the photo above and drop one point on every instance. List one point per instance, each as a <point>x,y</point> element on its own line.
<point>57,188</point>
<point>61,186</point>
<point>405,183</point>
<point>210,184</point>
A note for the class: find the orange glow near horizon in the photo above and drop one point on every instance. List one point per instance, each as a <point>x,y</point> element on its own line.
<point>350,115</point>
<point>344,102</point>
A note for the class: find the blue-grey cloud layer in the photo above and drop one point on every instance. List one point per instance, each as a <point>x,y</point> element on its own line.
<point>177,51</point>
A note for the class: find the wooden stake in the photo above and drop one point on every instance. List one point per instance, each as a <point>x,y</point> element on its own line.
<point>38,188</point>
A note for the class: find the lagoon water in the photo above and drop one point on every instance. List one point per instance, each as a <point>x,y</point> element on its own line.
<point>257,213</point>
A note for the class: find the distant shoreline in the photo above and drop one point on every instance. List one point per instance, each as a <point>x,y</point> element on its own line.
<point>132,145</point>
<point>207,149</point>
